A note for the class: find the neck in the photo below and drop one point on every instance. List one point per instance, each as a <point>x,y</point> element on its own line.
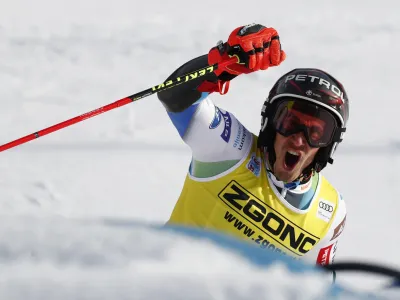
<point>299,186</point>
<point>294,186</point>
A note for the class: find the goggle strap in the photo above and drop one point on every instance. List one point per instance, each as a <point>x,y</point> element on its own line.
<point>339,134</point>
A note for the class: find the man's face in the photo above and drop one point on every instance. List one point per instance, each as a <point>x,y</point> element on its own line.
<point>293,155</point>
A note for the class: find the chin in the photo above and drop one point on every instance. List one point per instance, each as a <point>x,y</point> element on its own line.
<point>291,178</point>
<point>287,176</point>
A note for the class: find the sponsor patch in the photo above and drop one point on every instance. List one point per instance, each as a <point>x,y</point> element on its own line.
<point>324,255</point>
<point>245,28</point>
<point>216,120</point>
<point>322,82</point>
<point>339,229</point>
<point>334,252</point>
<point>325,210</point>
<point>305,187</point>
<point>254,165</point>
<point>240,137</point>
<point>226,134</point>
<point>265,222</point>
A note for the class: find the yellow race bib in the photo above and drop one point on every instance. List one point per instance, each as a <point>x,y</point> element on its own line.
<point>243,202</point>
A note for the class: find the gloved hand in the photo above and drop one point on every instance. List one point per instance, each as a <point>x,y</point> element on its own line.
<point>256,46</point>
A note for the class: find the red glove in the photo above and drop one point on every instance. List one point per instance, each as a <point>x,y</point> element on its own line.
<point>257,48</point>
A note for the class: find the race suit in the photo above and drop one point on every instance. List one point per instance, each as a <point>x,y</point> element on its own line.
<point>230,189</point>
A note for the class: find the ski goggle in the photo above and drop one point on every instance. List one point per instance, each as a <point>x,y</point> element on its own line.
<point>317,123</point>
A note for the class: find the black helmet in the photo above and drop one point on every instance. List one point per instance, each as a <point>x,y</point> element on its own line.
<point>313,86</point>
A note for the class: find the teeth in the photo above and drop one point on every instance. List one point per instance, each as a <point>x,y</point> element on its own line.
<point>293,153</point>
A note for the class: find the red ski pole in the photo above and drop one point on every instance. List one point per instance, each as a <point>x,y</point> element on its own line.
<point>148,92</point>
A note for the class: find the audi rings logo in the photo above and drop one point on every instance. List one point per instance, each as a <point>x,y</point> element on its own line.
<point>326,206</point>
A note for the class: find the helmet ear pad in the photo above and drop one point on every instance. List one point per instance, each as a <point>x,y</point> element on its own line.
<point>266,141</point>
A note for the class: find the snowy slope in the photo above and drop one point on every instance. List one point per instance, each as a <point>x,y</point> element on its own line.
<point>59,59</point>
<point>123,260</point>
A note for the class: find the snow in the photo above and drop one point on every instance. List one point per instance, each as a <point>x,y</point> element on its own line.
<point>109,259</point>
<point>60,59</point>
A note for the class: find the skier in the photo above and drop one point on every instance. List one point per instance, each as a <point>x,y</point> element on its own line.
<point>266,189</point>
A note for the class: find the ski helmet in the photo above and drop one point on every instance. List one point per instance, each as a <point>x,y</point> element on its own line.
<point>312,86</point>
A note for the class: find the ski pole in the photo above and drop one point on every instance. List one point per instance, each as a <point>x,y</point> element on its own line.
<point>148,92</point>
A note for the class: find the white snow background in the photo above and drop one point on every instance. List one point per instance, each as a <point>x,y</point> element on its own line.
<point>60,59</point>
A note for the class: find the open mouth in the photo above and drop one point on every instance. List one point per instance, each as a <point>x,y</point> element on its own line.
<point>291,159</point>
